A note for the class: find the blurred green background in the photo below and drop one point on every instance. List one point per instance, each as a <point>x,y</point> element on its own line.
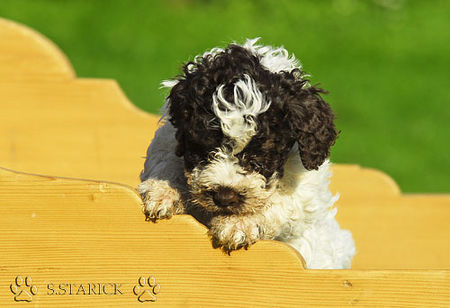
<point>386,63</point>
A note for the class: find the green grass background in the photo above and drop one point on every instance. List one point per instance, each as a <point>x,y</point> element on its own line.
<point>385,63</point>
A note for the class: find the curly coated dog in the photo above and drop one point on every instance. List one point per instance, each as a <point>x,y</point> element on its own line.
<point>243,147</point>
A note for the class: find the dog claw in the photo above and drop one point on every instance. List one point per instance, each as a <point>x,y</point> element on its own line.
<point>160,200</point>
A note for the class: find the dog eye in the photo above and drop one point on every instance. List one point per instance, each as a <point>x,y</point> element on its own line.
<point>250,162</point>
<point>256,166</point>
<point>193,156</point>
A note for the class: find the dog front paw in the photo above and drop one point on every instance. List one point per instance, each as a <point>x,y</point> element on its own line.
<point>160,199</point>
<point>232,233</point>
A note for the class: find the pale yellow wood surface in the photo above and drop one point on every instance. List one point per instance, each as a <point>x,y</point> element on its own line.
<point>82,128</point>
<point>52,123</point>
<point>353,181</point>
<point>26,55</point>
<point>79,232</point>
<point>401,232</point>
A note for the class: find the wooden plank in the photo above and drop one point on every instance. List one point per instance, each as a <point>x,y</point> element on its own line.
<point>83,128</point>
<point>72,232</point>
<point>353,181</point>
<point>26,55</point>
<point>411,231</point>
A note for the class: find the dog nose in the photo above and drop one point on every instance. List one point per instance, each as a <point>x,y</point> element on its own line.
<point>226,196</point>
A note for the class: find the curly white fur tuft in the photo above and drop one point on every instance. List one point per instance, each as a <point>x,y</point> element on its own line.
<point>238,118</point>
<point>275,59</point>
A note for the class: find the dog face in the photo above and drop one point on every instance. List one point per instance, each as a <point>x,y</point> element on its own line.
<point>238,112</point>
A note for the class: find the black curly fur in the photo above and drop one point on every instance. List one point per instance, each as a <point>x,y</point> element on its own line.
<point>297,113</point>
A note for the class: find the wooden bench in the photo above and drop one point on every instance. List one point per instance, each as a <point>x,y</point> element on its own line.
<point>70,154</point>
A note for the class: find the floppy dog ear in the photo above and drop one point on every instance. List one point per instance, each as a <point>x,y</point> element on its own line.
<point>312,122</point>
<point>178,113</point>
<point>187,111</point>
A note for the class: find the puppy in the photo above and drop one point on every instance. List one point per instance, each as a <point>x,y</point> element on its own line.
<point>244,147</point>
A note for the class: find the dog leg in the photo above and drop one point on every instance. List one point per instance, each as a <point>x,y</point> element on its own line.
<point>163,180</point>
<point>160,199</point>
<point>235,232</point>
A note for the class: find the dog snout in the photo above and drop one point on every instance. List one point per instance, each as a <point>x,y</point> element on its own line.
<point>226,196</point>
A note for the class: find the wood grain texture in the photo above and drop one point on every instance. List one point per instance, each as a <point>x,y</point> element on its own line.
<point>63,231</point>
<point>411,231</point>
<point>82,128</point>
<point>58,230</point>
<point>26,55</point>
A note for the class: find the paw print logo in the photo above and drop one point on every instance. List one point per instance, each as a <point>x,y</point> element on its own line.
<point>23,289</point>
<point>146,289</point>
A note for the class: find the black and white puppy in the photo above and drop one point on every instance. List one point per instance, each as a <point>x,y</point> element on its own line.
<point>244,147</point>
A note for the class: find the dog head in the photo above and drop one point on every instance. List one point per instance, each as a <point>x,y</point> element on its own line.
<point>238,112</point>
